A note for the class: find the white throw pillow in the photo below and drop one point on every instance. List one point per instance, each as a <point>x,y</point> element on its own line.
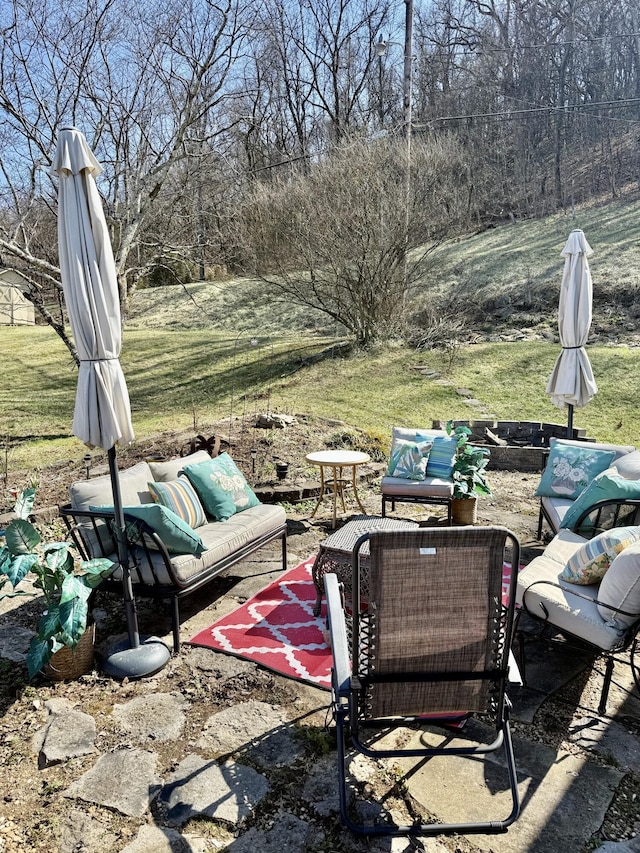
<point>620,587</point>
<point>628,466</point>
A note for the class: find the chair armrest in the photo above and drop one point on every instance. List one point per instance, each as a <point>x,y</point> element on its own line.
<point>616,507</point>
<point>338,636</point>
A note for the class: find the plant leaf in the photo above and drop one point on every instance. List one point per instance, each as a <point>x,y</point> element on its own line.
<point>24,504</point>
<point>57,556</point>
<point>39,654</point>
<point>73,621</point>
<point>21,537</point>
<point>49,624</point>
<point>19,567</point>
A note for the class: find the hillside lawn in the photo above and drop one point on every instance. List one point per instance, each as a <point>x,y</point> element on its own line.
<point>197,354</point>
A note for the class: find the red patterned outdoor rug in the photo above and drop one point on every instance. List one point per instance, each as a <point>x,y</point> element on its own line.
<point>277,629</point>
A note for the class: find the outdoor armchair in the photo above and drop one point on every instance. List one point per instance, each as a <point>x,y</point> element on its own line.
<point>430,642</point>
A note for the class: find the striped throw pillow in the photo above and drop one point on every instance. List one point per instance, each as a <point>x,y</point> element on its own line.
<point>180,497</point>
<point>442,455</point>
<point>590,563</point>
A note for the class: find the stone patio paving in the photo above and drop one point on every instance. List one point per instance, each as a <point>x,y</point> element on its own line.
<point>169,765</point>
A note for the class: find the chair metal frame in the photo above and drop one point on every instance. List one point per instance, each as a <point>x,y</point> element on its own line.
<point>350,680</point>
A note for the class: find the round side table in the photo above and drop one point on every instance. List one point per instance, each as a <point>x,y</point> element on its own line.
<point>337,460</point>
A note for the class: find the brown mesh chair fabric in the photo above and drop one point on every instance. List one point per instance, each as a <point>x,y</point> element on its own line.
<point>433,609</point>
<point>431,634</point>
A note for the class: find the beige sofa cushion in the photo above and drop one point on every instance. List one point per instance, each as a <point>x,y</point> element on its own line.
<point>618,449</point>
<point>628,466</point>
<point>563,603</point>
<point>221,539</point>
<point>98,492</point>
<point>429,487</point>
<point>165,472</point>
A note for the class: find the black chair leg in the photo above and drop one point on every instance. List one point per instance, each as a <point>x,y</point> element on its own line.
<point>608,675</point>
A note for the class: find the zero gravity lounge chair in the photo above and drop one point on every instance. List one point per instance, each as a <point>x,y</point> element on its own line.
<point>431,637</point>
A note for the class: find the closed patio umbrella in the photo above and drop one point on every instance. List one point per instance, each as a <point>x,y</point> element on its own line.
<point>102,415</point>
<point>572,383</point>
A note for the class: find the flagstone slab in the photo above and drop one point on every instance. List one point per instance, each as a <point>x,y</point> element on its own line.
<point>15,641</point>
<point>227,792</point>
<point>155,716</point>
<point>124,780</point>
<point>286,834</point>
<point>608,739</point>
<point>156,839</point>
<point>564,797</point>
<point>68,734</point>
<point>261,731</point>
<point>83,832</point>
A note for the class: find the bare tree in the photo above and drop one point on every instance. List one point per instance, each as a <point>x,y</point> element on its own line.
<point>148,85</point>
<point>334,240</point>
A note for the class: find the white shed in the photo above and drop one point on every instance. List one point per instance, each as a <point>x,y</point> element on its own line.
<point>15,308</point>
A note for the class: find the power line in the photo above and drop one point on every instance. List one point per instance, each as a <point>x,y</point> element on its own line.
<point>530,110</point>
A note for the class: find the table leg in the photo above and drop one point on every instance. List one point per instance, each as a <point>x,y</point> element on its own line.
<point>355,491</point>
<point>335,495</point>
<point>321,495</point>
<point>342,485</point>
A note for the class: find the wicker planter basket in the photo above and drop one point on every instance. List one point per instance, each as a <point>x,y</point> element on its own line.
<point>464,510</point>
<point>67,664</point>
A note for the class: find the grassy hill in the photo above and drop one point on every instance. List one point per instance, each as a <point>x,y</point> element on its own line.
<point>196,355</point>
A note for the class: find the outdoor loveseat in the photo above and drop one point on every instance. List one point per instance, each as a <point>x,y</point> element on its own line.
<point>169,559</point>
<point>589,486</point>
<point>586,583</point>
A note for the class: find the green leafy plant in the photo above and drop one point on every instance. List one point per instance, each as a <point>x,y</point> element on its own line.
<point>66,585</point>
<point>468,474</point>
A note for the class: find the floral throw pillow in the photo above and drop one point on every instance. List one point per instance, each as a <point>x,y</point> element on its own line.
<point>590,562</point>
<point>570,469</point>
<point>221,486</point>
<point>409,459</point>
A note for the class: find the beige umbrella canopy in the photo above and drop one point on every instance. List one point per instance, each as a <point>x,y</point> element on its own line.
<point>572,383</point>
<point>102,415</point>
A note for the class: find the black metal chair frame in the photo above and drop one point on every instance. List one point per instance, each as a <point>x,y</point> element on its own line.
<point>145,548</point>
<point>628,641</point>
<point>594,514</point>
<point>416,499</point>
<point>349,690</point>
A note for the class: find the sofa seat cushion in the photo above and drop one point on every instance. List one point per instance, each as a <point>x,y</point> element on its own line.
<point>556,510</point>
<point>165,472</point>
<point>628,465</point>
<point>430,487</point>
<point>221,539</point>
<point>566,609</point>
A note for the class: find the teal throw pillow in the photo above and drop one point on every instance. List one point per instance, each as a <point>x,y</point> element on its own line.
<point>180,497</point>
<point>604,486</point>
<point>570,469</point>
<point>177,536</point>
<point>221,486</point>
<point>442,455</point>
<point>590,562</point>
<point>408,459</point>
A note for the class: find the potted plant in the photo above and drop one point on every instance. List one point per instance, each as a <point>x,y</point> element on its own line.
<point>468,475</point>
<point>65,584</point>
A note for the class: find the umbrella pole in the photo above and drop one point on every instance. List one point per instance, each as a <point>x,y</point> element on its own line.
<point>123,552</point>
<point>570,421</point>
<point>130,658</point>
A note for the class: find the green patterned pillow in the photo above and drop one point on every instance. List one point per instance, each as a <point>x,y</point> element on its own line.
<point>408,459</point>
<point>177,536</point>
<point>570,469</point>
<point>180,497</point>
<point>590,562</point>
<point>221,486</point>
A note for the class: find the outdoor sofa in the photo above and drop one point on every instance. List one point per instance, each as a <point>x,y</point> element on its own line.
<point>607,496</point>
<point>170,560</point>
<point>586,583</point>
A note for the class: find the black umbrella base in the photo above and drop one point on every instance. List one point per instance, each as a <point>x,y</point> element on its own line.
<point>123,661</point>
